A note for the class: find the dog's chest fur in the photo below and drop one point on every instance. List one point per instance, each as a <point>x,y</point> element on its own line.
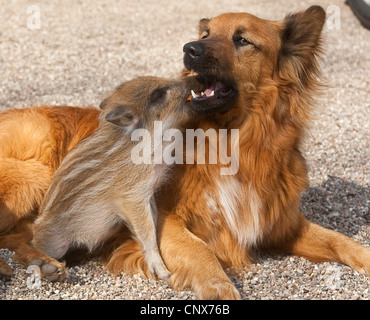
<point>240,208</point>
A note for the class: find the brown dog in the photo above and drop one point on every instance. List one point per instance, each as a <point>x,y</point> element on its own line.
<point>103,182</point>
<point>261,78</point>
<point>33,143</point>
<point>263,75</point>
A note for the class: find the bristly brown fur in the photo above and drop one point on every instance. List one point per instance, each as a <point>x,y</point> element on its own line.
<point>207,221</point>
<point>103,182</point>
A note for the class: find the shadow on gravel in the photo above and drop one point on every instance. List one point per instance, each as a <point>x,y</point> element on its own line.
<point>338,204</point>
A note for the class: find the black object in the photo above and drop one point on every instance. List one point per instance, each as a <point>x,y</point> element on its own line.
<point>361,10</point>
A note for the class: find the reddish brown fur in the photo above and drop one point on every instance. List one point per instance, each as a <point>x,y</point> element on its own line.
<point>33,142</point>
<point>276,86</point>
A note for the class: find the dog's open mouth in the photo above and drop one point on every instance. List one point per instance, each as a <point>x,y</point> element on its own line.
<point>217,90</point>
<point>214,98</point>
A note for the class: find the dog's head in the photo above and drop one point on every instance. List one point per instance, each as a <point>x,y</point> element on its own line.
<point>139,102</point>
<point>238,54</point>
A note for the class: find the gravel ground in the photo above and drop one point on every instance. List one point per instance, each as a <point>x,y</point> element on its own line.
<point>85,48</point>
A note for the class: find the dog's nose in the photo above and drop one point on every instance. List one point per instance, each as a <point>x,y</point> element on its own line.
<point>193,49</point>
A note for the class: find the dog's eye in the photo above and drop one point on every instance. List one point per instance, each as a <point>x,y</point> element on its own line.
<point>158,94</point>
<point>204,35</point>
<point>243,42</point>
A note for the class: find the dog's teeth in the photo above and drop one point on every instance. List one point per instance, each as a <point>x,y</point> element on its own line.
<point>192,72</point>
<point>212,94</point>
<point>202,93</point>
<point>193,94</point>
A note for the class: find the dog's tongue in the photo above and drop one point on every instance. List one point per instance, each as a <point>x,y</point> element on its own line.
<point>210,91</point>
<point>213,88</point>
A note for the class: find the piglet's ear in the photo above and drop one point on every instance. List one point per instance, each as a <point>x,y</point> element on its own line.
<point>104,103</point>
<point>122,116</point>
<point>301,39</point>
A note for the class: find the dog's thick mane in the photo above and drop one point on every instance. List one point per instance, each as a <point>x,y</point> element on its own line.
<point>271,135</point>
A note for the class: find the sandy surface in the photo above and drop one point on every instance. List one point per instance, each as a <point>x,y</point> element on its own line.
<point>83,49</point>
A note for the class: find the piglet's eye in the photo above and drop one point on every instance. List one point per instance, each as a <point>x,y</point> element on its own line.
<point>158,94</point>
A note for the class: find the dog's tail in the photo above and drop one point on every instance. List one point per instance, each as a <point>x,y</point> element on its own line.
<point>124,254</point>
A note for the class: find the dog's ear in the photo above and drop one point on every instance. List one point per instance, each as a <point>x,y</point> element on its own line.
<point>301,40</point>
<point>203,25</point>
<point>122,116</point>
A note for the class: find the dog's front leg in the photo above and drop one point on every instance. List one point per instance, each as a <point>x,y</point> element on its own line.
<point>191,262</point>
<point>319,244</point>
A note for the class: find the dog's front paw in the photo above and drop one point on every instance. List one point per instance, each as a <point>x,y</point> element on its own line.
<point>51,270</point>
<point>218,289</point>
